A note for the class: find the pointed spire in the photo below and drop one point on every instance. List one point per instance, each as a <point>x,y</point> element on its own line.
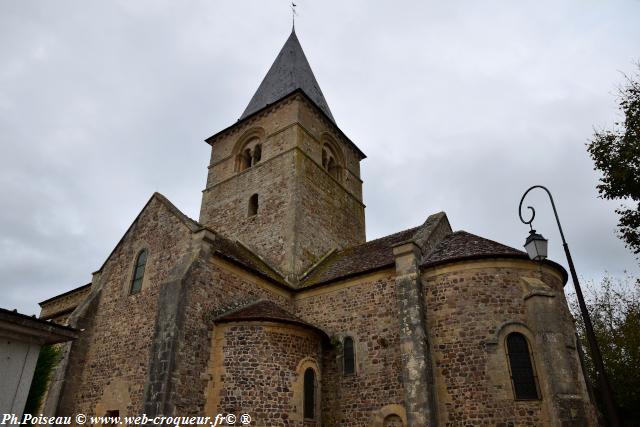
<point>290,71</point>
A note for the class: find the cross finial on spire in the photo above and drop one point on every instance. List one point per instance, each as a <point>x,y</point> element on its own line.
<point>293,14</point>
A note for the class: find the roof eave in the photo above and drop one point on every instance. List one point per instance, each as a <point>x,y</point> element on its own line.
<point>210,140</point>
<point>64,294</point>
<point>523,257</point>
<point>273,319</point>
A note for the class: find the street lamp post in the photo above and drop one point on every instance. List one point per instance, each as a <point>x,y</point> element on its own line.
<point>536,247</point>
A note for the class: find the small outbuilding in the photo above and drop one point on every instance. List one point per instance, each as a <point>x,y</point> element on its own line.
<point>21,338</point>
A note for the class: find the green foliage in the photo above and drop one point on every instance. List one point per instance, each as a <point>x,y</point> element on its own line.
<point>47,360</point>
<point>336,343</point>
<point>616,154</point>
<point>614,307</point>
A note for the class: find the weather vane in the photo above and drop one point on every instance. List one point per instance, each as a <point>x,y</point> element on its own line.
<point>293,14</point>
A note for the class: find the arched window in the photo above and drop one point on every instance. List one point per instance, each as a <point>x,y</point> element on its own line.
<point>332,168</point>
<point>249,154</point>
<point>329,162</point>
<point>522,373</point>
<point>309,393</point>
<point>245,159</point>
<point>392,420</point>
<point>348,356</point>
<point>138,272</point>
<point>253,205</point>
<point>257,154</point>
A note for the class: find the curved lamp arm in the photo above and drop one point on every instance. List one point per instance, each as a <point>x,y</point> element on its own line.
<point>533,211</point>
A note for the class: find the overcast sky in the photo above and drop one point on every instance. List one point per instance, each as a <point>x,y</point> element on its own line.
<point>460,106</point>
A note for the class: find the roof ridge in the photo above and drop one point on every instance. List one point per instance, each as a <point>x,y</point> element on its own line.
<point>487,239</point>
<point>461,244</point>
<point>383,237</point>
<point>188,221</point>
<point>239,308</point>
<point>265,309</point>
<point>191,224</point>
<point>317,264</point>
<point>260,258</point>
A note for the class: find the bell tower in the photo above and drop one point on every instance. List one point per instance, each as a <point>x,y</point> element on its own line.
<point>284,179</point>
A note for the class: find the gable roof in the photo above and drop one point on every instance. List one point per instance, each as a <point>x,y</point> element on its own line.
<point>212,139</point>
<point>191,224</point>
<point>265,310</point>
<point>461,245</point>
<point>372,255</point>
<point>376,254</point>
<point>239,254</point>
<point>289,71</point>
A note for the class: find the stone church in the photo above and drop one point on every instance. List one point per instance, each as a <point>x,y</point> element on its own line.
<point>274,304</point>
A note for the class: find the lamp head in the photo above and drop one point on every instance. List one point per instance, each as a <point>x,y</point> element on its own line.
<point>536,246</point>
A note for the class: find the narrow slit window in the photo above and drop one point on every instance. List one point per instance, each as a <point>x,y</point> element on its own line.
<point>253,205</point>
<point>522,374</point>
<point>138,272</point>
<point>309,393</point>
<point>348,356</point>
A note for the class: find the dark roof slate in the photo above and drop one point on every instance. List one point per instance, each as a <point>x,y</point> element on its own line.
<point>358,259</point>
<point>463,245</point>
<point>290,71</point>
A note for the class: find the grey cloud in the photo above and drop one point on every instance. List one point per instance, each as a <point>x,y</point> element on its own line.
<point>460,107</point>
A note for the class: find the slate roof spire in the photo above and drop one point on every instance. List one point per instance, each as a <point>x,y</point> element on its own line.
<point>290,71</point>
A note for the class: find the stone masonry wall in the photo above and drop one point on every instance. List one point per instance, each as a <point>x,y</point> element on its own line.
<point>255,370</point>
<point>213,287</point>
<point>319,131</point>
<point>366,310</point>
<point>113,369</point>
<point>471,307</point>
<point>297,198</point>
<point>329,216</point>
<point>270,232</point>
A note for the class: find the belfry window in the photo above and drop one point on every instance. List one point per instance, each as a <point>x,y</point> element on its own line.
<point>257,154</point>
<point>138,272</point>
<point>348,356</point>
<point>309,407</point>
<point>522,374</point>
<point>249,156</point>
<point>253,205</point>
<point>329,162</point>
<point>245,159</point>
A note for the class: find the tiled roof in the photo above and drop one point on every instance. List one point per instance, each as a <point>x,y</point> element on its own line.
<point>264,310</point>
<point>358,259</point>
<point>462,245</point>
<point>237,253</point>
